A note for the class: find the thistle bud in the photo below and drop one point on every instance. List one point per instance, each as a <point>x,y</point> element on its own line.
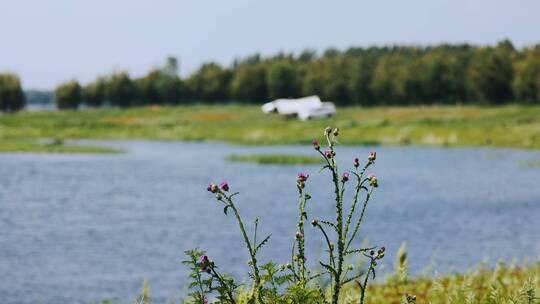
<point>299,236</point>
<point>316,145</point>
<point>372,156</point>
<point>336,132</point>
<point>373,180</point>
<point>356,163</point>
<point>327,131</point>
<point>288,265</point>
<point>212,188</point>
<point>314,222</point>
<point>307,196</point>
<point>350,267</point>
<point>345,177</point>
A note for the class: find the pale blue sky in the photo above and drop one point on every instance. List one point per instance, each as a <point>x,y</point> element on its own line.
<point>50,41</point>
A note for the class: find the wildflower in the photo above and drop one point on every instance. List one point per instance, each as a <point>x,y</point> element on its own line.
<point>203,259</point>
<point>329,153</point>
<point>212,188</point>
<point>204,263</point>
<point>224,186</point>
<point>336,131</point>
<point>314,222</point>
<point>345,177</point>
<point>316,145</point>
<point>372,156</point>
<point>299,236</point>
<point>373,180</point>
<point>356,163</point>
<point>301,179</point>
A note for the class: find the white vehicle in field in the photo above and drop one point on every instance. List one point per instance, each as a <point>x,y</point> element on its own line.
<point>304,108</point>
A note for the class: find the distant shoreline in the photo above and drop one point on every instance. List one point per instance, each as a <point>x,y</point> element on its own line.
<point>511,126</point>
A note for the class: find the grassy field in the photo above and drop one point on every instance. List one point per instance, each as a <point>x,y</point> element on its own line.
<point>506,126</point>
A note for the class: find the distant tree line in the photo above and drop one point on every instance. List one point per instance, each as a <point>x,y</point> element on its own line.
<point>391,75</point>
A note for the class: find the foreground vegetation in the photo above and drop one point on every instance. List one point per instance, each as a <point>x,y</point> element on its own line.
<point>504,126</point>
<point>505,284</point>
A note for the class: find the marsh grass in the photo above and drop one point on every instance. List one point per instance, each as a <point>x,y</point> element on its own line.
<point>506,126</point>
<point>50,146</point>
<point>529,163</point>
<point>282,159</point>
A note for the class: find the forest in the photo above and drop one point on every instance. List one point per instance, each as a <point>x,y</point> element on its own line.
<point>372,76</point>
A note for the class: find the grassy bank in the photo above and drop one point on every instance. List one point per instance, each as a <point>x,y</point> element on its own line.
<point>280,159</point>
<point>49,146</point>
<point>507,126</point>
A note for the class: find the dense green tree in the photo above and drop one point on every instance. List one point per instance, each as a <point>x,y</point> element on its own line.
<point>147,87</point>
<point>283,80</point>
<point>330,78</point>
<point>121,90</point>
<point>68,95</point>
<point>11,93</point>
<point>209,84</point>
<point>94,93</point>
<point>526,83</point>
<point>490,74</point>
<point>388,80</point>
<point>249,84</point>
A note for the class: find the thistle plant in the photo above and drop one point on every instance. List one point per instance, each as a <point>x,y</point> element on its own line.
<point>338,234</point>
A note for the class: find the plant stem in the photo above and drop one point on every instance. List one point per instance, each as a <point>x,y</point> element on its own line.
<point>257,279</point>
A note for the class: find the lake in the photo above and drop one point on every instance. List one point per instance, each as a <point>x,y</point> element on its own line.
<point>77,228</point>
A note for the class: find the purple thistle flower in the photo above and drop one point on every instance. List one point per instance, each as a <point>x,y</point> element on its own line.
<point>302,177</point>
<point>203,259</point>
<point>328,154</point>
<point>315,144</point>
<point>224,186</point>
<point>345,177</point>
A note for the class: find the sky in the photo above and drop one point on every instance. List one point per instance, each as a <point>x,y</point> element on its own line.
<point>47,42</point>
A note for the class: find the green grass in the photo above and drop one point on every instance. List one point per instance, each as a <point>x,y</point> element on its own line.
<point>55,146</point>
<point>504,284</point>
<point>505,126</point>
<point>282,159</point>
